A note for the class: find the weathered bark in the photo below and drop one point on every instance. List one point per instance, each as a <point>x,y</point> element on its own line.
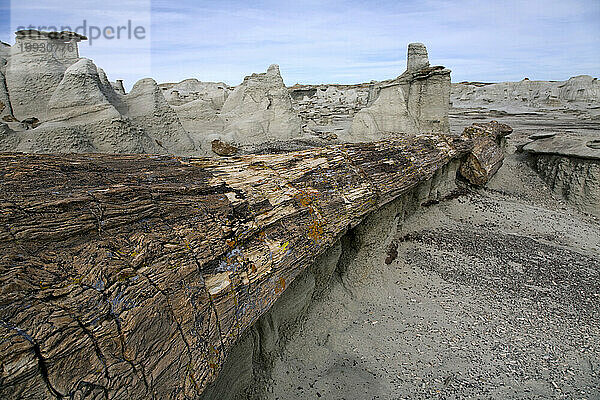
<point>483,162</point>
<point>223,149</point>
<point>492,129</point>
<point>487,155</point>
<point>131,276</point>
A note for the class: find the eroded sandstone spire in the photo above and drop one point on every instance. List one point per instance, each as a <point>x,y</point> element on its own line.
<point>416,102</point>
<point>417,57</point>
<point>36,65</point>
<point>260,110</point>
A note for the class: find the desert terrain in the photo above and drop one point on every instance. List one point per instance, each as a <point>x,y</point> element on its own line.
<point>404,238</point>
<point>493,294</point>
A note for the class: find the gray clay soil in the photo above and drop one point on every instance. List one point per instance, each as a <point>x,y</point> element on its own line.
<point>493,294</point>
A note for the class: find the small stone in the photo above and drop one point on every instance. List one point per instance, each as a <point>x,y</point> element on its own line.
<point>223,149</point>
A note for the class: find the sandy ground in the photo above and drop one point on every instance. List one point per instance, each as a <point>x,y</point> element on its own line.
<point>494,294</point>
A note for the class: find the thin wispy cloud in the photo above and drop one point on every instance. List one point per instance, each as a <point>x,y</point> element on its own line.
<point>357,41</point>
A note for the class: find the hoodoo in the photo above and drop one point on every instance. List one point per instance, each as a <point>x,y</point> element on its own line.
<point>36,66</point>
<point>416,101</point>
<point>260,110</point>
<point>417,57</point>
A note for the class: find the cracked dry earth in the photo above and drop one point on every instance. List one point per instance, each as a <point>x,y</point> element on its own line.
<point>494,294</point>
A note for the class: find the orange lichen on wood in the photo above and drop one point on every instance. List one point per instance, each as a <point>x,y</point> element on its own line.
<point>118,268</point>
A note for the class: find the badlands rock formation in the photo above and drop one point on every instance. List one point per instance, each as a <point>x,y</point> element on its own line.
<point>82,118</point>
<point>581,91</point>
<point>118,86</point>
<point>570,165</point>
<point>556,124</point>
<point>80,96</point>
<point>387,115</point>
<point>8,137</point>
<point>328,110</point>
<point>149,111</point>
<point>78,109</point>
<point>260,110</point>
<point>428,97</point>
<point>417,57</point>
<point>5,107</point>
<point>416,101</point>
<point>201,120</point>
<point>36,65</point>
<point>256,112</point>
<point>4,55</point>
<point>198,106</point>
<point>189,90</point>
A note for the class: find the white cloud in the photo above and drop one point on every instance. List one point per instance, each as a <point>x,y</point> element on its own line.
<point>355,41</point>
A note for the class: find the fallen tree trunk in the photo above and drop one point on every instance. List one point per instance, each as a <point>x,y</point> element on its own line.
<point>130,276</point>
<point>487,155</point>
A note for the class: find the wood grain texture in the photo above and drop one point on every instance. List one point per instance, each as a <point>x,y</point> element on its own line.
<point>131,276</point>
<point>487,156</point>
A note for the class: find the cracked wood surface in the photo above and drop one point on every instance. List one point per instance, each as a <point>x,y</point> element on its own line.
<point>487,156</point>
<point>131,276</point>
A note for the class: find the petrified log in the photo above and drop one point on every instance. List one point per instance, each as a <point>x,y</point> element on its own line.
<point>223,149</point>
<point>487,155</point>
<point>130,276</point>
<point>493,129</point>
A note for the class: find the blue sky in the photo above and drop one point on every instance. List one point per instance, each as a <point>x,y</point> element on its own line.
<point>335,41</point>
